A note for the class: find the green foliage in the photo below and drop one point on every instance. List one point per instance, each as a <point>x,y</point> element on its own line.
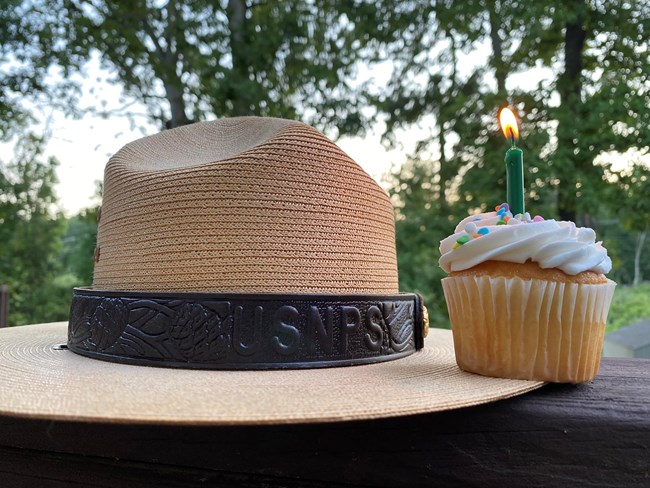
<point>630,195</point>
<point>33,40</point>
<point>621,246</point>
<point>30,233</point>
<point>420,224</point>
<point>630,304</point>
<point>186,61</point>
<point>79,245</point>
<point>602,86</point>
<point>42,254</point>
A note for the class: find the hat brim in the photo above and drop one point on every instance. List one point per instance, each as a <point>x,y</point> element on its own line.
<point>39,379</point>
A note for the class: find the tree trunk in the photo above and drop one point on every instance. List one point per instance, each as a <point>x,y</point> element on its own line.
<point>169,59</point>
<point>570,88</point>
<point>177,106</point>
<point>442,172</point>
<point>446,172</point>
<point>640,241</point>
<point>237,23</point>
<point>166,65</point>
<point>500,69</point>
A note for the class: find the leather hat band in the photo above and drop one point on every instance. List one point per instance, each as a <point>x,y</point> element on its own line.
<point>244,331</point>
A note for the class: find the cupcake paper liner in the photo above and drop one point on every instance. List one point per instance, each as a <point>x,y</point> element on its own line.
<point>528,329</point>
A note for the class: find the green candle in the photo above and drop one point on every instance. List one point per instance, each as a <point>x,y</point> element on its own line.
<point>515,179</point>
<point>514,163</point>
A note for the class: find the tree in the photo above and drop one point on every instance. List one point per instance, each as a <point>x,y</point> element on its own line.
<point>630,196</point>
<point>30,236</point>
<point>443,95</point>
<point>79,244</point>
<point>598,49</point>
<point>36,67</point>
<point>602,85</point>
<point>419,228</point>
<point>186,61</point>
<point>31,44</point>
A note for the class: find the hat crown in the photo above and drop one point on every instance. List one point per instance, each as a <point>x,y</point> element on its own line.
<point>249,205</point>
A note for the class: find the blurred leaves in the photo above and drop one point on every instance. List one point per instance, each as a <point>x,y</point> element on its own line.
<point>630,305</point>
<point>30,235</point>
<point>36,60</point>
<point>186,61</point>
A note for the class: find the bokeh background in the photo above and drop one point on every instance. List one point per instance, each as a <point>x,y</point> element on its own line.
<point>410,89</point>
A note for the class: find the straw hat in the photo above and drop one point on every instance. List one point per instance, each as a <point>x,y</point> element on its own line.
<point>252,263</point>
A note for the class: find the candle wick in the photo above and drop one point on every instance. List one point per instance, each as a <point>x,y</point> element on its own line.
<point>512,136</point>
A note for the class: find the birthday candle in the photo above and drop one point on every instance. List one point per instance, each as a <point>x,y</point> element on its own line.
<point>514,162</point>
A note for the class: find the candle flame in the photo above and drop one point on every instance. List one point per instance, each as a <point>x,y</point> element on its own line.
<point>508,123</point>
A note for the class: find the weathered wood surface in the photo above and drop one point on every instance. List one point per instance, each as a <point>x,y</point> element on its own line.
<point>594,434</point>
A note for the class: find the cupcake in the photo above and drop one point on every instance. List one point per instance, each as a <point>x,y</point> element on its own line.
<point>527,297</point>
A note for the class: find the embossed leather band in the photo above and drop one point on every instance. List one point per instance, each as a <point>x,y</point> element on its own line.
<point>232,331</point>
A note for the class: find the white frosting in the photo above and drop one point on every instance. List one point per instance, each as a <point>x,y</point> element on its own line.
<point>549,243</point>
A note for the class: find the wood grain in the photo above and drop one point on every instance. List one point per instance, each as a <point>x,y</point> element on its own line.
<point>595,434</point>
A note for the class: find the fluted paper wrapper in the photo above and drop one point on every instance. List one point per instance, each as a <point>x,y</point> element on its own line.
<point>528,329</point>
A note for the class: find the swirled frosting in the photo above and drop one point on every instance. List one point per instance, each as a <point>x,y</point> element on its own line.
<point>500,236</point>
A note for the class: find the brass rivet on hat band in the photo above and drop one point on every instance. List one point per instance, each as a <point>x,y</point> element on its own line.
<point>425,321</point>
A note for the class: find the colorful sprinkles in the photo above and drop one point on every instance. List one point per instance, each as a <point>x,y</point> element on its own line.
<point>472,231</point>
